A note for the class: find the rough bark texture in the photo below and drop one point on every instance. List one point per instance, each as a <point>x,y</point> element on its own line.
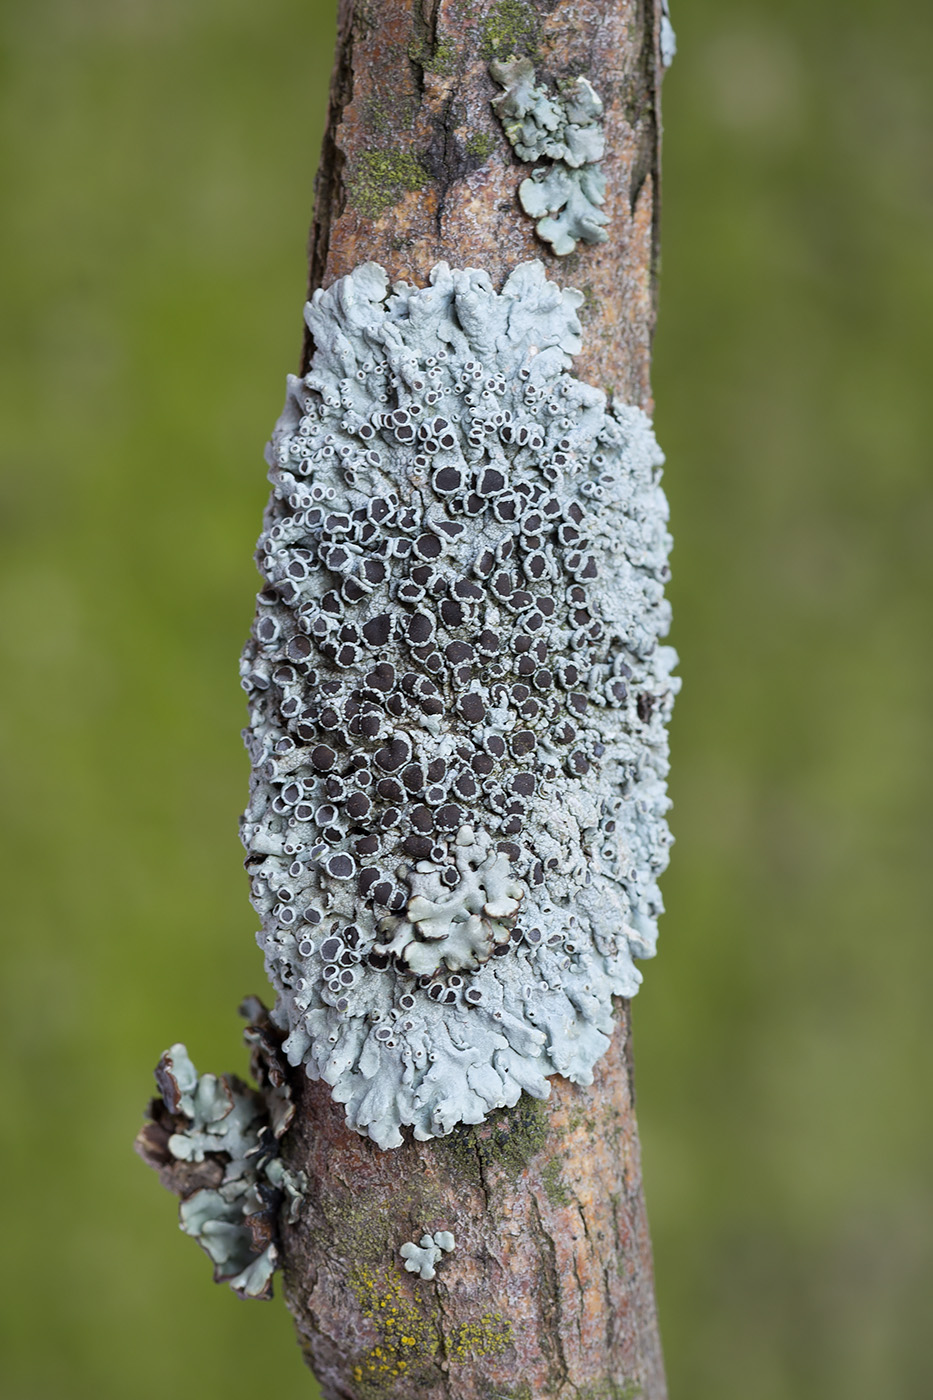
<point>549,1291</point>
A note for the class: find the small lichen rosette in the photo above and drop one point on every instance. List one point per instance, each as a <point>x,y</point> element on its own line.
<point>457,701</point>
<point>565,196</point>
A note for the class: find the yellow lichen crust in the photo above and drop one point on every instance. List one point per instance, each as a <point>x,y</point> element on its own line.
<point>405,1330</point>
<point>488,1336</point>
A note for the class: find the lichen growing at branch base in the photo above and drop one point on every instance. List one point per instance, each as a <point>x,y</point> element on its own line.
<point>458,701</point>
<point>215,1142</point>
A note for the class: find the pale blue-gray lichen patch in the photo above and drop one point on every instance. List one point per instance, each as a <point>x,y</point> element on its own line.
<point>220,1120</point>
<point>668,39</point>
<point>565,196</point>
<point>457,701</point>
<point>423,1258</point>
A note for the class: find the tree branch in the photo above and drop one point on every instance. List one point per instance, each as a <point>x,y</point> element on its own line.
<point>550,1289</point>
<point>547,1290</point>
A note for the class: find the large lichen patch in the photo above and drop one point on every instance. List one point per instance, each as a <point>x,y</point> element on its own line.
<point>458,700</point>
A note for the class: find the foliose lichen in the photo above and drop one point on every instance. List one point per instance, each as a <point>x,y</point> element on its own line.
<point>668,37</point>
<point>566,195</point>
<point>457,701</point>
<point>422,1258</point>
<point>221,1121</point>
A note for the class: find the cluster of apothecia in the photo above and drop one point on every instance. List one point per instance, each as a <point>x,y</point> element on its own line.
<point>457,699</point>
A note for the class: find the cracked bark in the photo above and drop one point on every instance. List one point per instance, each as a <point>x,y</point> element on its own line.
<point>549,1291</point>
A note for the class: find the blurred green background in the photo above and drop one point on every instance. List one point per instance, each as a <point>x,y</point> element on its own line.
<point>156,166</point>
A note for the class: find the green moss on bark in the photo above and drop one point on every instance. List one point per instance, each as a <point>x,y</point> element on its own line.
<point>555,1187</point>
<point>441,59</point>
<point>480,144</point>
<point>510,27</point>
<point>507,1139</point>
<point>378,179</point>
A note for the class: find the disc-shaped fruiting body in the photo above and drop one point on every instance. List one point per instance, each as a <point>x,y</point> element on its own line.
<point>457,701</point>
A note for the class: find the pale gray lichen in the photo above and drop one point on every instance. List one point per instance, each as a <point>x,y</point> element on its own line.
<point>566,196</point>
<point>422,1259</point>
<point>458,927</point>
<point>457,701</point>
<point>566,205</point>
<point>221,1119</point>
<point>668,37</point>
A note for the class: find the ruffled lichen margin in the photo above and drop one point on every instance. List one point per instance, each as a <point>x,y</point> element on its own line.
<point>215,1143</point>
<point>457,701</point>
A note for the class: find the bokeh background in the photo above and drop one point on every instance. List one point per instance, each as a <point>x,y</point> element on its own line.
<point>156,166</point>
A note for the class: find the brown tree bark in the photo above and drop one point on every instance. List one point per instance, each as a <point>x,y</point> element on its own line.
<point>549,1292</point>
